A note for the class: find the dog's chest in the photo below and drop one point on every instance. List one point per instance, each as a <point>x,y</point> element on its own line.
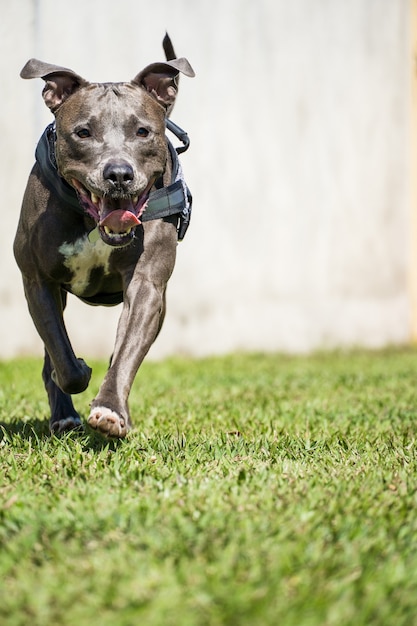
<point>81,257</point>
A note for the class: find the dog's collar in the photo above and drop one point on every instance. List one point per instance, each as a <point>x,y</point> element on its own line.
<point>175,199</point>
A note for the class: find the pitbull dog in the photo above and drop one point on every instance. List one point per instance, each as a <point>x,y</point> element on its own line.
<point>103,209</point>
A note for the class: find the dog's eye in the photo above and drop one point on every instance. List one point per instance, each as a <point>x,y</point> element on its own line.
<point>83,133</point>
<point>142,132</point>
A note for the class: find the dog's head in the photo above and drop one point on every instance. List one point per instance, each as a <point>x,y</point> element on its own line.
<point>111,144</point>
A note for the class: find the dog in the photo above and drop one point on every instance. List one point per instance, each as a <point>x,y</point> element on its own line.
<point>103,210</point>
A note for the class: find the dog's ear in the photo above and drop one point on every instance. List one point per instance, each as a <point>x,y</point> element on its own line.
<point>60,81</point>
<point>161,80</point>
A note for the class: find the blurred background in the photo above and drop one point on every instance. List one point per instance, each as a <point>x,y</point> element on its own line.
<point>301,120</point>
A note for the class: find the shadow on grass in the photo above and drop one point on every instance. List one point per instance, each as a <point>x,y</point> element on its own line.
<point>37,430</point>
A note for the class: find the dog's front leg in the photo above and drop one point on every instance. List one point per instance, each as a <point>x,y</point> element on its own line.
<point>64,417</point>
<point>138,328</point>
<point>140,322</point>
<point>63,373</point>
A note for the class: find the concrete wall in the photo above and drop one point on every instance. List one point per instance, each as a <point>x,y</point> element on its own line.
<point>299,166</point>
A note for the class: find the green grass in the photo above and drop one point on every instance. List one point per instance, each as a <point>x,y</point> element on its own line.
<point>255,490</point>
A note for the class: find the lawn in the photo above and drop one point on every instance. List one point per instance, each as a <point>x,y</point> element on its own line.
<point>255,490</point>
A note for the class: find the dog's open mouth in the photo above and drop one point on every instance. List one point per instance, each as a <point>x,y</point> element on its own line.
<point>116,217</point>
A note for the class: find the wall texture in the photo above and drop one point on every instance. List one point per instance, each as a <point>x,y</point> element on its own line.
<point>299,165</point>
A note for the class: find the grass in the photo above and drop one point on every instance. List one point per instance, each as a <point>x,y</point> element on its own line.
<point>255,490</point>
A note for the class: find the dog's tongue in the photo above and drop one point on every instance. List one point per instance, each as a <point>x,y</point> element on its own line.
<point>120,220</point>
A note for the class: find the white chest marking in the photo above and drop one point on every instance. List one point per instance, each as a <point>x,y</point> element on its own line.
<point>81,257</point>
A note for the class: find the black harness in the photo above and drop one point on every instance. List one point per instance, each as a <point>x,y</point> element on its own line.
<point>175,199</point>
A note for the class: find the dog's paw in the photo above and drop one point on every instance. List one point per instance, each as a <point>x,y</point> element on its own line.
<point>65,425</point>
<point>108,422</point>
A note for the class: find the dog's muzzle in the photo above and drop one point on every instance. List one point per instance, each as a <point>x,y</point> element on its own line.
<point>116,217</point>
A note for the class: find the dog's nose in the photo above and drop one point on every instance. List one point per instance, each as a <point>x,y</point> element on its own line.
<point>118,173</point>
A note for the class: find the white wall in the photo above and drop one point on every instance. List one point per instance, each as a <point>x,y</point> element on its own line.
<point>299,166</point>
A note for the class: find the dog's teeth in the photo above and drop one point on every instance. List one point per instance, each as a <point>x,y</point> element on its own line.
<point>110,233</point>
<point>135,200</point>
<point>94,198</point>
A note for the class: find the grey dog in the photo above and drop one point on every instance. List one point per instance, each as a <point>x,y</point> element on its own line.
<point>103,209</point>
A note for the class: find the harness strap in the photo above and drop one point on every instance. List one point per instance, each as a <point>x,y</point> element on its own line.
<point>175,199</point>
